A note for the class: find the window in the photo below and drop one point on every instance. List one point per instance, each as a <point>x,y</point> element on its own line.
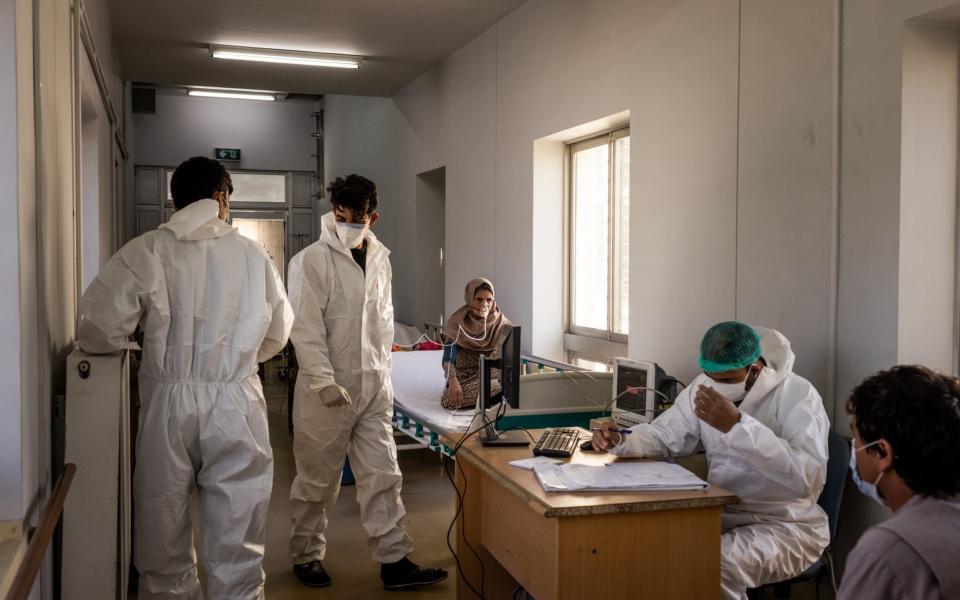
<point>600,236</point>
<point>255,188</point>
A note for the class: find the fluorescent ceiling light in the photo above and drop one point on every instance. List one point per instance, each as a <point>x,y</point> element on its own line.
<point>288,57</point>
<point>232,95</point>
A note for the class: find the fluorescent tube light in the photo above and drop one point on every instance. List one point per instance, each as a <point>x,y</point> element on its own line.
<point>232,95</point>
<point>288,57</point>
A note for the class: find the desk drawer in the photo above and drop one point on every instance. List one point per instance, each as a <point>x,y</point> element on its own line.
<point>521,539</point>
<point>657,555</point>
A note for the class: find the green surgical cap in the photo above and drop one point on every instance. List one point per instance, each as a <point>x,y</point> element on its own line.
<point>728,346</point>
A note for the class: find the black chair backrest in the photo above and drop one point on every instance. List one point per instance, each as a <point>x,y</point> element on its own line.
<point>837,466</point>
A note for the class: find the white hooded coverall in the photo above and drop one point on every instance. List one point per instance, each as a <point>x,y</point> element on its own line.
<point>343,334</point>
<point>211,305</point>
<point>774,460</point>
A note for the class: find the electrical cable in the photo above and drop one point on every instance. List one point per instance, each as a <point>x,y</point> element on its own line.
<point>456,558</point>
<point>484,422</point>
<point>460,331</point>
<point>423,337</point>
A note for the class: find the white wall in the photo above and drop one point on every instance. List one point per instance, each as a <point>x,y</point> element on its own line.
<point>786,171</point>
<point>549,294</point>
<point>430,240</point>
<point>447,118</point>
<point>869,308</point>
<point>869,252</point>
<point>10,436</point>
<point>271,135</point>
<point>96,178</point>
<point>360,137</point>
<point>928,195</point>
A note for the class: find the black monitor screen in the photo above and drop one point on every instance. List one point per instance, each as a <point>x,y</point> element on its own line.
<point>510,368</point>
<point>509,373</point>
<point>627,377</point>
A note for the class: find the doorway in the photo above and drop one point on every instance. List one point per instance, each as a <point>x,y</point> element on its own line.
<point>431,237</point>
<point>268,230</point>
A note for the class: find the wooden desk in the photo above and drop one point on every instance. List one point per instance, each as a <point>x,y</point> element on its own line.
<point>604,545</point>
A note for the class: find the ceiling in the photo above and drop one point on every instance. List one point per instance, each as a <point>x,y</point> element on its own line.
<point>167,42</point>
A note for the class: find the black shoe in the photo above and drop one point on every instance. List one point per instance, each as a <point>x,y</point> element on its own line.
<point>312,574</point>
<point>404,574</point>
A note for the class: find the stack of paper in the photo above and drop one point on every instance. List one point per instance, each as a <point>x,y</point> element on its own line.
<point>529,464</point>
<point>617,477</point>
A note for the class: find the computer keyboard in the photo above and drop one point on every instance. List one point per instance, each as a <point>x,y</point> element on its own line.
<point>557,442</point>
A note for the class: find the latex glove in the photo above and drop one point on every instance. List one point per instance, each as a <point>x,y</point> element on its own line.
<point>334,395</point>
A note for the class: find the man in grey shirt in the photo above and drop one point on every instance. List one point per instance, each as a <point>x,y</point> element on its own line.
<point>906,455</point>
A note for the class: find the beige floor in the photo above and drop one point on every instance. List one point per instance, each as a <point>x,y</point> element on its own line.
<point>430,503</point>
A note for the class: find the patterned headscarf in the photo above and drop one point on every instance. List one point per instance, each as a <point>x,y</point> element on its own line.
<point>464,325</point>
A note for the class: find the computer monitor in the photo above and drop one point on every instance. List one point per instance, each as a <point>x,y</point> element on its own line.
<point>631,408</point>
<point>509,365</point>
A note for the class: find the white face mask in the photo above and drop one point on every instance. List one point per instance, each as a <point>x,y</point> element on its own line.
<point>867,489</point>
<point>736,392</point>
<point>352,234</point>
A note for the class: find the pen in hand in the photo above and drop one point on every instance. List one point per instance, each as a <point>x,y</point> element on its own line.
<point>620,431</point>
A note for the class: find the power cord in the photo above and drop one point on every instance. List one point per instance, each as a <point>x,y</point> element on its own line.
<point>460,498</point>
<point>461,494</point>
<point>456,558</point>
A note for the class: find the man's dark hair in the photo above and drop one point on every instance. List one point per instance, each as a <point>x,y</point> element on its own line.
<point>483,287</point>
<point>356,193</point>
<point>198,178</point>
<point>918,412</point>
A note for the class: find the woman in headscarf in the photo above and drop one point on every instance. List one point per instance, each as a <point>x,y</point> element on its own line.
<point>476,328</point>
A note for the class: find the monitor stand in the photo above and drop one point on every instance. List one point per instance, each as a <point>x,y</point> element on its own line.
<point>491,437</point>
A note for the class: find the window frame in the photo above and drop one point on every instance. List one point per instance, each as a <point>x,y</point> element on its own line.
<point>608,138</point>
<point>287,189</point>
<point>956,292</point>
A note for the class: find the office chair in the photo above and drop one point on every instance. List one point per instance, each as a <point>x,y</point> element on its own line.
<point>838,464</point>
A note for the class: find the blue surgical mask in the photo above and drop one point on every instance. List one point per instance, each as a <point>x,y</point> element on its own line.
<point>867,489</point>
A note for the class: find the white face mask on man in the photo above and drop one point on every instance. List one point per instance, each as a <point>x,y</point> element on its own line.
<point>352,234</point>
<point>736,392</point>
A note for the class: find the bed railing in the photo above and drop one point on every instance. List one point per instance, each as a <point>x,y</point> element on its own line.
<point>535,364</point>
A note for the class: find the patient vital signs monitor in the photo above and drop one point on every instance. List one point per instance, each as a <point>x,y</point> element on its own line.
<point>644,403</point>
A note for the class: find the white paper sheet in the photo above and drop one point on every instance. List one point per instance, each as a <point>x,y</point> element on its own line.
<point>530,464</point>
<point>618,477</point>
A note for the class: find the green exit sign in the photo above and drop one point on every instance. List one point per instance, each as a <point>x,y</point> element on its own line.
<point>227,153</point>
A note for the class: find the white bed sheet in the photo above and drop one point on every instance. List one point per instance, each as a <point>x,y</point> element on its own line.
<point>417,386</point>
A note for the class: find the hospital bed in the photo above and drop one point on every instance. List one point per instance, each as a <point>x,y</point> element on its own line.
<point>552,394</point>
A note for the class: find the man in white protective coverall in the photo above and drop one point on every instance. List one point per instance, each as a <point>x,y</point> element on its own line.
<point>765,431</point>
<point>340,288</point>
<point>212,306</point>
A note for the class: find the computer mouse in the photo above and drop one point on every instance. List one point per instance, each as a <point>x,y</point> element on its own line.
<point>587,446</point>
